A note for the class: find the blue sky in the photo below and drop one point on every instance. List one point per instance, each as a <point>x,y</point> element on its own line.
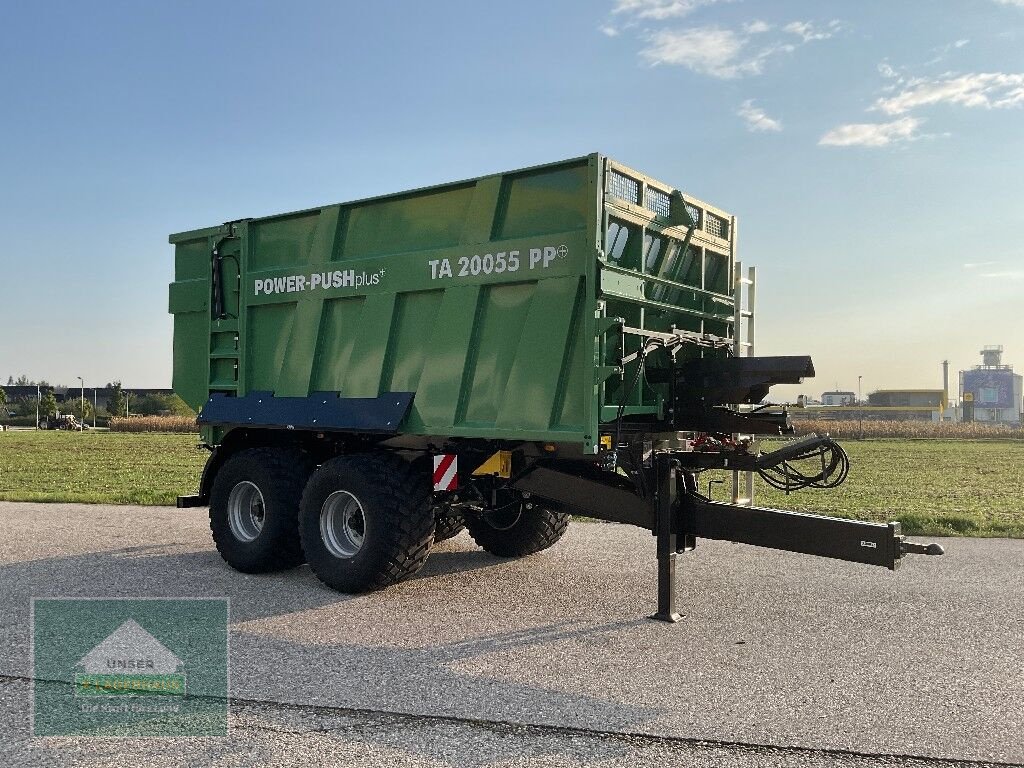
<point>873,152</point>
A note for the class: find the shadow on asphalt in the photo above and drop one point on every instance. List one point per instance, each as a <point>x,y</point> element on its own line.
<point>450,679</point>
<point>253,596</point>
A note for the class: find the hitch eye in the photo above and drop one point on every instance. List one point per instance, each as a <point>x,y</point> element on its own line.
<point>913,548</point>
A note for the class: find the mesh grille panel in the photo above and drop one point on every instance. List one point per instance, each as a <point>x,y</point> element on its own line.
<point>717,226</point>
<point>658,202</point>
<point>624,187</point>
<point>694,212</point>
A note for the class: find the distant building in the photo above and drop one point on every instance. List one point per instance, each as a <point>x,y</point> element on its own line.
<point>839,398</point>
<point>908,398</point>
<point>991,391</point>
<point>882,405</point>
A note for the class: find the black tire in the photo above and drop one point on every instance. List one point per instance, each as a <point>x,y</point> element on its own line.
<point>447,524</point>
<point>366,521</point>
<point>519,529</point>
<point>278,475</point>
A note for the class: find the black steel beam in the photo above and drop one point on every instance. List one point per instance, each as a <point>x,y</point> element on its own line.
<point>851,540</point>
<point>584,496</point>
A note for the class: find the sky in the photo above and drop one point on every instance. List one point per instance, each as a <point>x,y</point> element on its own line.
<point>872,151</point>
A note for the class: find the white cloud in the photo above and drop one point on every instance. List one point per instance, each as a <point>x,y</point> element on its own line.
<point>756,119</point>
<point>660,9</point>
<point>962,43</point>
<point>885,70</point>
<point>707,50</point>
<point>1018,3</point>
<point>807,32</point>
<point>872,134</point>
<point>710,49</point>
<point>714,51</point>
<point>1010,274</point>
<point>983,89</point>
<point>977,264</point>
<point>757,27</point>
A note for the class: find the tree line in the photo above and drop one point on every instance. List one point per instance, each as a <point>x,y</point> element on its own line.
<point>118,403</point>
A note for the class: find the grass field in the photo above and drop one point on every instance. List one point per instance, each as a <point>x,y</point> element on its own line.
<point>110,467</point>
<point>937,487</point>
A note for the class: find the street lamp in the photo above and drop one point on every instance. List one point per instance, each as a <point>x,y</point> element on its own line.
<point>93,409</point>
<point>127,397</point>
<point>81,381</point>
<point>858,389</point>
<point>38,396</point>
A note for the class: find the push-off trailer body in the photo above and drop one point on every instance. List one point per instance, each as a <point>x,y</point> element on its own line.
<point>498,353</point>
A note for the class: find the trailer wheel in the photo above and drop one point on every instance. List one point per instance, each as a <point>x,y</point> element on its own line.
<point>254,505</point>
<point>517,529</point>
<point>447,524</point>
<point>366,521</point>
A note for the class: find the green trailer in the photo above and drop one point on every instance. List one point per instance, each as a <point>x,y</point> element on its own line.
<point>496,353</point>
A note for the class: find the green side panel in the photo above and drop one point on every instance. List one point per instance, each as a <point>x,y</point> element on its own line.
<point>192,259</point>
<point>281,242</point>
<point>569,412</point>
<point>447,350</point>
<point>544,344</point>
<point>190,360</point>
<point>269,332</point>
<point>339,330</point>
<point>493,350</point>
<point>415,223</point>
<point>188,301</point>
<point>415,315</point>
<point>307,328</point>
<point>366,364</point>
<point>544,201</point>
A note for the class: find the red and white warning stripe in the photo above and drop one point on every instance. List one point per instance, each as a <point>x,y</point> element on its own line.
<point>446,472</point>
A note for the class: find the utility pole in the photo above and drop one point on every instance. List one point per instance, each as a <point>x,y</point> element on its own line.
<point>859,405</point>
<point>81,381</point>
<point>93,409</point>
<point>127,397</point>
<point>38,396</point>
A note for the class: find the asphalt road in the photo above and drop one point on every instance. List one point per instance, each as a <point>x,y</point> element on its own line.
<point>780,659</point>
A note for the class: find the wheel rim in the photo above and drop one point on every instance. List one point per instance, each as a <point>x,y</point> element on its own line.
<point>246,511</point>
<point>342,524</point>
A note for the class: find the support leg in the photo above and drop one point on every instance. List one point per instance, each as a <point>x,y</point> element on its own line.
<point>667,540</point>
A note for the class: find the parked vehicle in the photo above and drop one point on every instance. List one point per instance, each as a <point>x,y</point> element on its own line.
<point>65,421</point>
<point>498,353</point>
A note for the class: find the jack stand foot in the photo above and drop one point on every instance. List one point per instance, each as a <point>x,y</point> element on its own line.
<point>671,618</point>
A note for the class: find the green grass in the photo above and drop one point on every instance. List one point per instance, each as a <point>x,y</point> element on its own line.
<point>99,467</point>
<point>934,487</point>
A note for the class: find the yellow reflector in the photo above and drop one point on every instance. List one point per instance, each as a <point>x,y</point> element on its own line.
<point>499,464</point>
<point>606,442</point>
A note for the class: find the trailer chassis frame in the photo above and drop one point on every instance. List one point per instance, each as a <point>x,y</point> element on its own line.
<point>677,515</point>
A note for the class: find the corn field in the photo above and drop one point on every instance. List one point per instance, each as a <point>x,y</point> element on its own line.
<point>153,424</point>
<point>856,429</point>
